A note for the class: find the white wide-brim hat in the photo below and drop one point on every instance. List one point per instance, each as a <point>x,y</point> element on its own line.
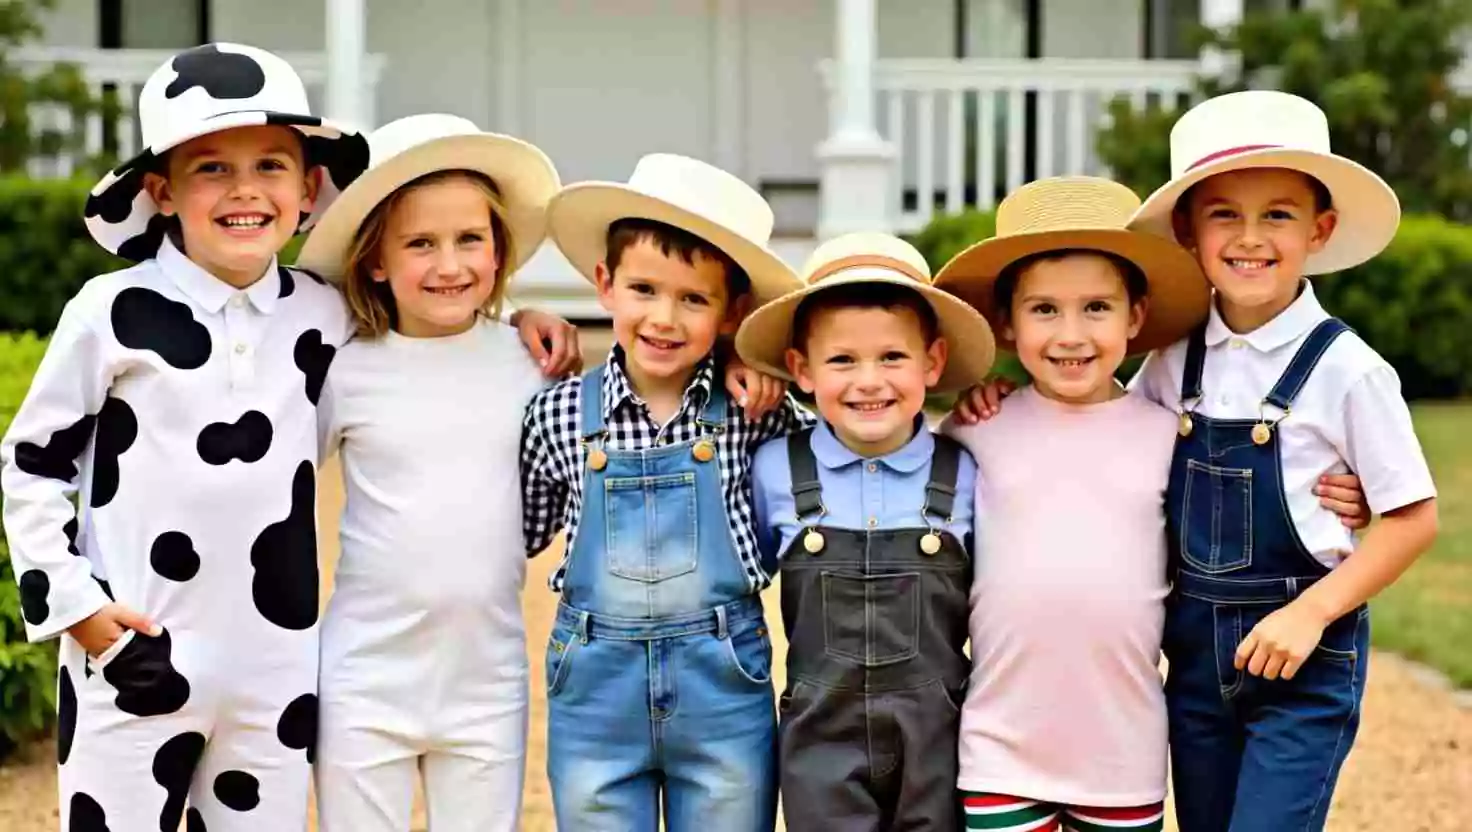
<point>416,146</point>
<point>678,191</point>
<point>1270,129</point>
<point>1083,213</point>
<point>868,257</point>
<point>214,87</point>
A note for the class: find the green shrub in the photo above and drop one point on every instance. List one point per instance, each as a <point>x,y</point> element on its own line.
<point>27,671</point>
<point>46,253</point>
<point>1413,303</point>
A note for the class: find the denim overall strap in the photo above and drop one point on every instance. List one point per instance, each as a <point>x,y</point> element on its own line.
<point>590,419</point>
<point>807,492</point>
<point>1195,363</point>
<point>940,491</point>
<point>1304,361</point>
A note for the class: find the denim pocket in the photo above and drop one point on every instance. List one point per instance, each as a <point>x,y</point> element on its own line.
<point>560,647</point>
<point>1216,532</point>
<point>651,526</point>
<point>750,654</point>
<point>871,619</point>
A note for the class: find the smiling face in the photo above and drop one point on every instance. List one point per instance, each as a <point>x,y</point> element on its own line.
<point>867,368</point>
<point>1071,318</point>
<point>239,195</point>
<point>439,255</point>
<point>1252,231</point>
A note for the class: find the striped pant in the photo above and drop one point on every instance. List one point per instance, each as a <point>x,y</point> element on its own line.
<point>1001,813</point>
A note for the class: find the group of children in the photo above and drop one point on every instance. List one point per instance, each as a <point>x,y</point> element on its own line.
<point>975,616</point>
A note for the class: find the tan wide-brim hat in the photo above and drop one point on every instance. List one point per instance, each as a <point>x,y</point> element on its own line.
<point>1271,129</point>
<point>864,257</point>
<point>404,150</point>
<point>678,191</point>
<point>1083,213</point>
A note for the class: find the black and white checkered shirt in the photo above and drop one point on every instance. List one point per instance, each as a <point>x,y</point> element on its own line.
<point>552,454</point>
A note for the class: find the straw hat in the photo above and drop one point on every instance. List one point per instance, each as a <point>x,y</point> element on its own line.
<point>214,87</point>
<point>864,257</point>
<point>1083,212</point>
<point>1270,129</point>
<point>404,150</point>
<point>685,193</point>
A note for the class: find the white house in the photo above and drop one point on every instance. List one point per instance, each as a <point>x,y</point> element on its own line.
<point>847,114</point>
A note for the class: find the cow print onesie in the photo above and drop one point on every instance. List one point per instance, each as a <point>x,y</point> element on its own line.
<point>181,414</point>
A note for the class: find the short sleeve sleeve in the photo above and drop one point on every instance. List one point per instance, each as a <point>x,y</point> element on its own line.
<point>1380,443</point>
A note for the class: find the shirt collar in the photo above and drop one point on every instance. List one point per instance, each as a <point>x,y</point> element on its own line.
<point>617,388</point>
<point>211,292</point>
<point>1301,316</point>
<point>833,454</point>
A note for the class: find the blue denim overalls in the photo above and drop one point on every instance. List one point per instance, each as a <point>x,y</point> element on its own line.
<point>1249,754</point>
<point>659,665</point>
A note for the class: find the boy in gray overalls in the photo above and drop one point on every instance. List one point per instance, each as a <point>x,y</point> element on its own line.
<point>871,516</point>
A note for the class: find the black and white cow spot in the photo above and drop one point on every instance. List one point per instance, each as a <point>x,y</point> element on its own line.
<point>115,204</point>
<point>145,244</point>
<point>313,358</point>
<point>144,676</point>
<point>57,459</point>
<point>66,716</point>
<point>143,319</point>
<point>71,529</point>
<point>173,556</point>
<point>344,161</point>
<point>297,728</point>
<point>284,556</point>
<point>222,75</point>
<point>247,439</point>
<point>288,283</point>
<point>238,791</point>
<point>86,815</point>
<point>117,430</point>
<point>173,768</point>
<point>194,821</point>
<point>106,587</point>
<point>35,596</point>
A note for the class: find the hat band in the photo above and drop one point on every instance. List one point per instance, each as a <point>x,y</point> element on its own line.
<point>1231,151</point>
<point>872,260</point>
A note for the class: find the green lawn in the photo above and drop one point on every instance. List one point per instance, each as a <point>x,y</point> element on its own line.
<point>1427,614</point>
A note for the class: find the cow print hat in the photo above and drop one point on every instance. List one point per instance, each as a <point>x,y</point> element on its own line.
<point>204,90</point>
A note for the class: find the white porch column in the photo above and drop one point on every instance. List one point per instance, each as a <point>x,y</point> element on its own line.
<point>346,24</point>
<point>857,164</point>
<point>1218,14</point>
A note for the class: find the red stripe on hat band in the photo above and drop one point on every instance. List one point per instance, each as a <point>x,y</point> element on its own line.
<point>1231,151</point>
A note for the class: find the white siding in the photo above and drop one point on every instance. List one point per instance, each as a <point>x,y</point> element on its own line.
<point>71,23</point>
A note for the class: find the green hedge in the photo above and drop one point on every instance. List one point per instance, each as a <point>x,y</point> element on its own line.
<point>27,671</point>
<point>1413,303</point>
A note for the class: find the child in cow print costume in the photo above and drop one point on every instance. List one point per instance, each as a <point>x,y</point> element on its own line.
<point>177,405</point>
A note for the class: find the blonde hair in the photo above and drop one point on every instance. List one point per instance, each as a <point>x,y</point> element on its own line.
<point>372,301</point>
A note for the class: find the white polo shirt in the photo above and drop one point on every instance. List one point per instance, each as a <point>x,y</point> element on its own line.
<point>1349,417</point>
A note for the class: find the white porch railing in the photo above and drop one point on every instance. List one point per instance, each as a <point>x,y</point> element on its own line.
<point>959,127</point>
<point>127,70</point>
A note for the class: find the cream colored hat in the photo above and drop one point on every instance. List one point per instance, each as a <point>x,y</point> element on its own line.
<point>685,193</point>
<point>1083,212</point>
<point>414,146</point>
<point>766,334</point>
<point>1269,129</point>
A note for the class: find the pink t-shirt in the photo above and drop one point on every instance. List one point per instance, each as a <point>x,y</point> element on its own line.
<point>1065,703</point>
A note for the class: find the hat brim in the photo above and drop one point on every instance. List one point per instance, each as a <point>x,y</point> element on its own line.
<point>122,217</point>
<point>1178,295</point>
<point>766,334</point>
<point>1369,212</point>
<point>578,219</point>
<point>523,174</point>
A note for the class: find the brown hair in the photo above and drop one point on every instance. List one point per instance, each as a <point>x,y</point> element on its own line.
<point>671,240</point>
<point>888,296</point>
<point>1135,284</point>
<point>1181,211</point>
<point>372,301</point>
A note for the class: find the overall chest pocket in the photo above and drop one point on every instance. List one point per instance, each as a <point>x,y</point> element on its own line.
<point>1216,527</point>
<point>651,526</point>
<point>871,619</point>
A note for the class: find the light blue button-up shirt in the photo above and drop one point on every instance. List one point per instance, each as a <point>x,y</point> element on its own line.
<point>884,492</point>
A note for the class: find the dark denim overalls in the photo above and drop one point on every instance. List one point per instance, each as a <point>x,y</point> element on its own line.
<point>1249,754</point>
<point>876,623</point>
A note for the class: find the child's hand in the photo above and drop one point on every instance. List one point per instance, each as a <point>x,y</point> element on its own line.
<point>982,402</point>
<point>552,342</point>
<point>1341,494</point>
<point>98,631</point>
<point>1281,643</point>
<point>757,393</point>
